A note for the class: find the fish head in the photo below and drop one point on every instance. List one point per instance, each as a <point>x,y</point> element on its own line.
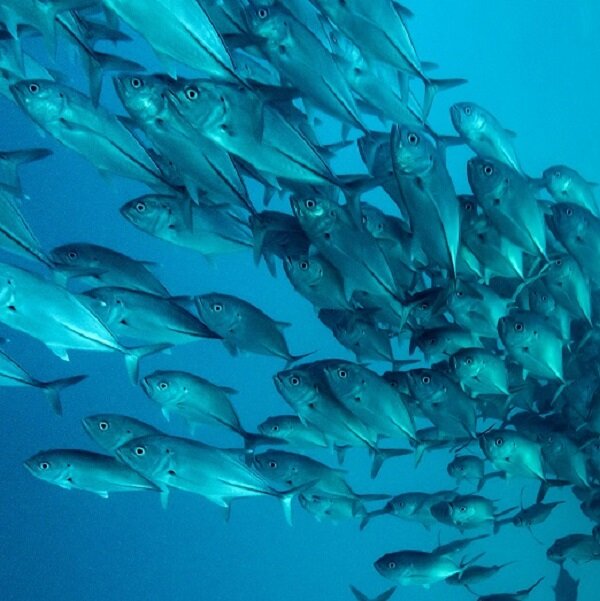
<point>467,363</point>
<point>149,455</point>
<point>299,387</point>
<point>278,466</point>
<point>468,208</point>
<point>219,312</point>
<point>165,387</point>
<point>518,329</point>
<point>374,221</point>
<point>413,152</point>
<point>151,213</point>
<point>540,299</point>
<point>278,426</point>
<point>317,215</point>
<point>108,303</point>
<point>461,509</point>
<point>559,180</point>
<point>345,380</point>
<point>570,222</point>
<point>488,180</point>
<point>423,383</point>
<point>50,466</point>
<point>144,96</point>
<point>43,99</point>
<point>304,270</point>
<point>468,118</point>
<point>391,566</point>
<point>195,103</point>
<point>269,21</point>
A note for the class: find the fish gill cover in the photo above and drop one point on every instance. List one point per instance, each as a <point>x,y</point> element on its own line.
<point>357,299</point>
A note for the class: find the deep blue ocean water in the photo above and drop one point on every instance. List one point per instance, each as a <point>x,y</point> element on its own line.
<point>534,65</point>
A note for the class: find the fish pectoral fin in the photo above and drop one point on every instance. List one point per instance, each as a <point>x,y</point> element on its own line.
<point>59,351</point>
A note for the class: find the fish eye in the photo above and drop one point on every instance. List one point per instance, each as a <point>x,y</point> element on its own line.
<point>275,428</point>
<point>519,327</point>
<point>304,265</point>
<point>425,379</point>
<point>262,13</point>
<point>413,139</point>
<point>544,297</point>
<point>391,565</point>
<point>462,508</point>
<point>310,204</point>
<point>424,306</point>
<point>557,173</point>
<point>163,385</point>
<point>44,465</point>
<point>460,293</point>
<point>558,262</point>
<point>140,207</point>
<point>136,82</point>
<point>488,170</point>
<point>499,441</point>
<point>569,212</point>
<point>468,206</point>
<point>468,110</point>
<point>140,451</point>
<point>294,380</point>
<point>34,88</point>
<point>72,254</point>
<point>342,373</point>
<point>272,464</point>
<point>217,307</point>
<point>103,426</point>
<point>192,94</point>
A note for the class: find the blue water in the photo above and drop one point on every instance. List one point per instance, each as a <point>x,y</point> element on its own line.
<point>533,64</point>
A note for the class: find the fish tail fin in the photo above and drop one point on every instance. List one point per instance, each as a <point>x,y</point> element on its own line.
<point>133,356</point>
<point>382,597</point>
<point>53,389</point>
<point>499,523</point>
<point>18,157</point>
<point>340,452</point>
<point>382,455</point>
<point>433,86</point>
<point>370,515</point>
<point>295,358</point>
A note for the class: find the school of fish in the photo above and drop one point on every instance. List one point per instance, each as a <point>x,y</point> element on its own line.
<point>485,307</point>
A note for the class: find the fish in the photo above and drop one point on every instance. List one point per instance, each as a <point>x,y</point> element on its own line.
<point>13,375</point>
<point>430,198</point>
<point>208,230</point>
<point>11,162</point>
<point>71,117</point>
<point>482,132</point>
<point>144,316</point>
<point>509,200</point>
<point>197,401</point>
<point>580,548</point>
<point>381,597</point>
<point>417,568</point>
<point>219,475</point>
<point>476,574</point>
<point>291,47</point>
<point>468,511</point>
<point>243,327</point>
<point>102,266</point>
<point>73,469</point>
